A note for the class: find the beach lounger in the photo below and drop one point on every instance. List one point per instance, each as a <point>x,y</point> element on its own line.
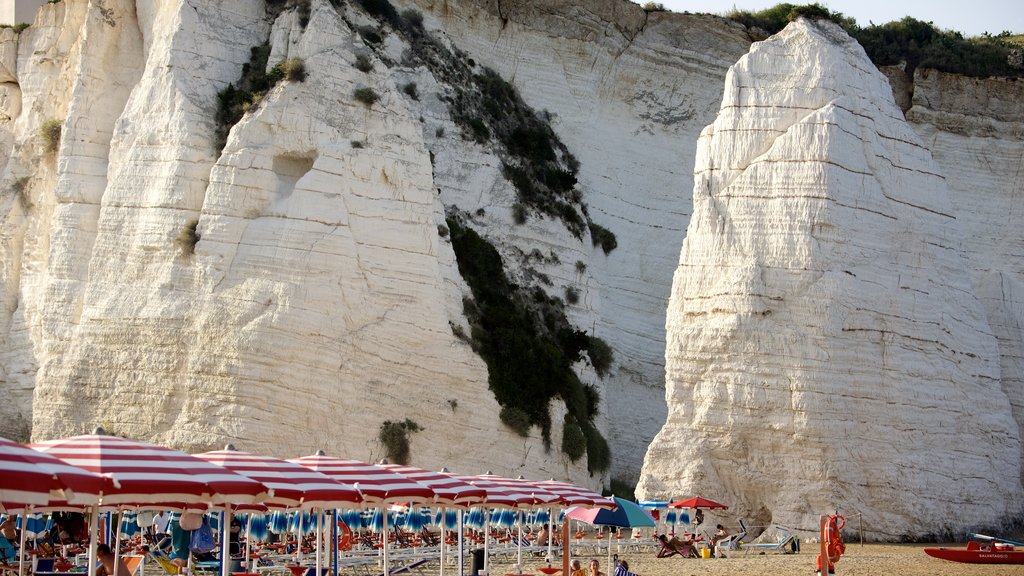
<point>409,568</point>
<point>785,543</point>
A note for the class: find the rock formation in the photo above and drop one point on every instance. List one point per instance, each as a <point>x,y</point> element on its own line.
<point>826,347</point>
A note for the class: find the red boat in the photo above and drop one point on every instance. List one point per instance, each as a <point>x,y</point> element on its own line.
<point>975,553</point>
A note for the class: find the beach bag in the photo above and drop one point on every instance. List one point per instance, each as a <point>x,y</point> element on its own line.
<point>202,539</point>
<point>190,520</point>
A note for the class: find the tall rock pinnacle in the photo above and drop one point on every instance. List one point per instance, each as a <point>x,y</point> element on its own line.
<point>826,349</point>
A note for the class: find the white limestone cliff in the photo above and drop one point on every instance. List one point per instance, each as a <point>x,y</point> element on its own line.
<point>629,92</point>
<point>826,348</point>
<point>319,299</point>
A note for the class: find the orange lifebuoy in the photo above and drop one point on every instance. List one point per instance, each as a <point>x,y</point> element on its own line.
<point>345,540</point>
<point>833,539</point>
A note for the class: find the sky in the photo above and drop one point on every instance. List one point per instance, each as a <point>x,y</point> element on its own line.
<point>970,17</point>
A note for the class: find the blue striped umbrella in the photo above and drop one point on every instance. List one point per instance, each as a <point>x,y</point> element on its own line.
<point>33,525</point>
<point>450,520</point>
<point>504,519</point>
<point>414,520</point>
<point>376,521</point>
<point>476,519</point>
<point>427,515</point>
<point>542,516</point>
<point>278,523</point>
<point>128,524</point>
<point>257,527</point>
<point>670,518</point>
<point>684,517</point>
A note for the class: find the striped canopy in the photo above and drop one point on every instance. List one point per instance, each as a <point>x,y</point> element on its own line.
<point>147,474</point>
<point>376,483</point>
<point>29,477</point>
<point>450,491</point>
<point>573,495</point>
<point>507,493</point>
<point>293,486</point>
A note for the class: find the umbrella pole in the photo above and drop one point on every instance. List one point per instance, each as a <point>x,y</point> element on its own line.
<point>443,538</point>
<point>487,540</point>
<point>21,548</point>
<point>334,541</point>
<point>551,535</point>
<point>519,546</point>
<point>225,541</point>
<point>462,560</point>
<point>387,570</point>
<point>248,543</point>
<point>319,539</point>
<point>93,525</point>
<point>566,548</point>
<point>117,540</point>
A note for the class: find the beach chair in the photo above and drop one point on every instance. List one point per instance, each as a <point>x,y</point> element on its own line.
<point>785,543</point>
<point>732,542</point>
<point>683,549</point>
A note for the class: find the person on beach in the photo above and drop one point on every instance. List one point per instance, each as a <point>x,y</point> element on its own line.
<point>575,569</point>
<point>595,568</point>
<point>623,569</point>
<point>106,557</point>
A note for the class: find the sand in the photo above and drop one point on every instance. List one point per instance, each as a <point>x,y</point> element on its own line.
<point>866,560</point>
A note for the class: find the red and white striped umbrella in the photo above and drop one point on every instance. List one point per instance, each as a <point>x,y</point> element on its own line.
<point>29,477</point>
<point>573,495</point>
<point>376,483</point>
<point>147,474</point>
<point>294,486</point>
<point>507,493</point>
<point>450,490</point>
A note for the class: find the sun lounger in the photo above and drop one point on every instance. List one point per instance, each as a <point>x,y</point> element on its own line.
<point>786,543</point>
<point>683,549</point>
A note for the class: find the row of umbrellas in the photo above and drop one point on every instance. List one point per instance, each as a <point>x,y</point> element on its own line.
<point>114,473</point>
<point>105,472</point>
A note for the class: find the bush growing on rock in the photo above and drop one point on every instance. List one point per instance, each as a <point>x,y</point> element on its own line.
<point>50,133</point>
<point>365,95</point>
<point>189,237</point>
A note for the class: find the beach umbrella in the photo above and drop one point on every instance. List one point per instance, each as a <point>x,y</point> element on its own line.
<point>29,478</point>
<point>128,526</point>
<point>293,485</point>
<point>450,519</point>
<point>278,523</point>
<point>670,518</point>
<point>448,489</point>
<point>626,514</point>
<point>257,526</point>
<point>542,516</point>
<point>698,502</point>
<point>147,474</point>
<point>376,483</point>
<point>476,518</point>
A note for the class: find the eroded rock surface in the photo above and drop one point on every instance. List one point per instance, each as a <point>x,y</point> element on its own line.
<point>826,346</point>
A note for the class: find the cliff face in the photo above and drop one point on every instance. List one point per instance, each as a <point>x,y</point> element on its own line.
<point>320,297</point>
<point>629,92</point>
<point>323,299</point>
<point>827,348</point>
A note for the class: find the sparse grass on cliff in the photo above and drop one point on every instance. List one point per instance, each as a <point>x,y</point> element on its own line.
<point>50,133</point>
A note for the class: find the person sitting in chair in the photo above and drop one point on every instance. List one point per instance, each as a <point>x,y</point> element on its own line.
<point>721,534</point>
<point>673,546</point>
<point>106,557</point>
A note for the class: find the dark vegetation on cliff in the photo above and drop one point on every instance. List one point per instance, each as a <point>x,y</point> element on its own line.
<point>529,347</point>
<point>919,44</point>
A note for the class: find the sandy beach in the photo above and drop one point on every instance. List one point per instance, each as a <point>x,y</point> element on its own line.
<point>866,560</point>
